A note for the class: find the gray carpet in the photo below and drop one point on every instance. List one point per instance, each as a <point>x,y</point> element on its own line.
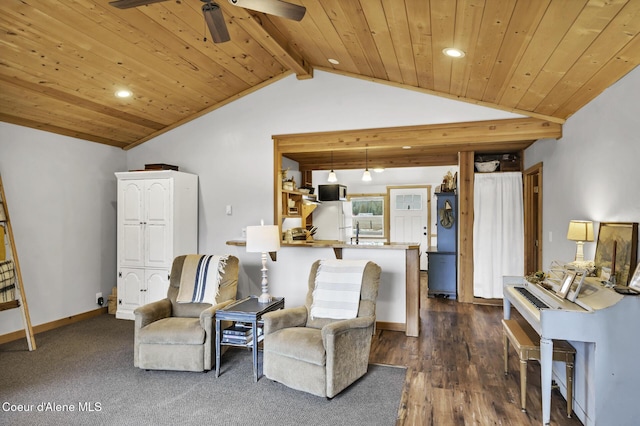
<point>88,367</point>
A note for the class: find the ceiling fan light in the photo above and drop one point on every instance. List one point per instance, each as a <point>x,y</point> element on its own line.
<point>332,177</point>
<point>215,21</point>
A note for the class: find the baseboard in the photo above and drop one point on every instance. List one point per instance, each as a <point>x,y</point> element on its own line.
<point>488,302</point>
<point>391,326</point>
<point>21,334</point>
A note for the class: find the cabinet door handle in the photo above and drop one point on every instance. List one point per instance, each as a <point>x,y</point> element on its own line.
<point>119,274</point>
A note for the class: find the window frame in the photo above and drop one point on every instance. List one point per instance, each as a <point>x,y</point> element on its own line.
<point>384,216</point>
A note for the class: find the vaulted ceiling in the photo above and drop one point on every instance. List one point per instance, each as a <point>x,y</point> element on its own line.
<point>62,61</point>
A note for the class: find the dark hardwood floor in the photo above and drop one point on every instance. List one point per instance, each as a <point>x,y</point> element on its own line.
<point>455,370</point>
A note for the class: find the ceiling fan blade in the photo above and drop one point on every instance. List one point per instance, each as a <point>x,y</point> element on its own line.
<point>273,7</point>
<point>215,21</point>
<point>126,4</point>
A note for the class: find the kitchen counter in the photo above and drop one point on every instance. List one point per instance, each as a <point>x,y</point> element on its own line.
<point>399,293</point>
<point>339,244</point>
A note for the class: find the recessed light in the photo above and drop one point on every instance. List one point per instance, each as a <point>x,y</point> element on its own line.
<point>406,147</point>
<point>453,53</point>
<point>378,169</point>
<point>333,61</point>
<point>123,93</point>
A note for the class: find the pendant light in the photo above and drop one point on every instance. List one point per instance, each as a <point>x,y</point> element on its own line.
<point>332,175</point>
<point>366,176</point>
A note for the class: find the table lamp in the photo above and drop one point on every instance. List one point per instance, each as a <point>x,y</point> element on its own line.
<point>263,239</point>
<point>580,231</point>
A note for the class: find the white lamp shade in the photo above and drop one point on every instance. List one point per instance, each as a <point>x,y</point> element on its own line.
<point>580,230</point>
<point>263,238</point>
<point>332,177</point>
<point>366,176</point>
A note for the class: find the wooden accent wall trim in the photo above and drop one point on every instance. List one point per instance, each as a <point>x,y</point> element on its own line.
<point>20,334</point>
<point>533,199</point>
<point>465,227</point>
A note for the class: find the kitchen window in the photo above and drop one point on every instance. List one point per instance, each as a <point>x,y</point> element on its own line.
<point>368,216</point>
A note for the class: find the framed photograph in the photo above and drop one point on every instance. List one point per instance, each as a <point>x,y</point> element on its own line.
<point>634,283</point>
<point>567,281</point>
<point>617,249</point>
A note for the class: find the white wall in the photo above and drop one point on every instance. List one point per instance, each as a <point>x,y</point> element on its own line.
<point>62,200</point>
<point>591,173</point>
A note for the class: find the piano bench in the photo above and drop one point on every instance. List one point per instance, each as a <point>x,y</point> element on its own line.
<point>526,342</point>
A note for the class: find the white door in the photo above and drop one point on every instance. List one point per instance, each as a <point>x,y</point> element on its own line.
<point>158,236</point>
<point>409,218</point>
<point>157,284</point>
<point>130,290</point>
<point>131,218</point>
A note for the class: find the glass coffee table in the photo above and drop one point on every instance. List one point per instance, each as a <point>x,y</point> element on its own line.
<point>246,311</point>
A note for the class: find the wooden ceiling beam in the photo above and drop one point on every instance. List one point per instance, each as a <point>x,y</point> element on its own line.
<point>433,135</point>
<point>407,161</point>
<point>431,145</point>
<point>273,42</point>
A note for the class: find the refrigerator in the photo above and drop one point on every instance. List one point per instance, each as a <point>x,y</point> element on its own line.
<point>333,221</point>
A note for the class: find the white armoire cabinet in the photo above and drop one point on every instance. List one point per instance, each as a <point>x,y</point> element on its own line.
<point>157,221</point>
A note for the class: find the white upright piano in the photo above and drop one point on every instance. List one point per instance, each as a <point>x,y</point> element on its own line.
<point>599,316</point>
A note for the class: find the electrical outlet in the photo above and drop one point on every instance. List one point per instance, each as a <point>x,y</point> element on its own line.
<point>98,297</point>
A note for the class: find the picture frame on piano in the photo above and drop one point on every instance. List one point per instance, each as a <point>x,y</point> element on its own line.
<point>634,285</point>
<point>635,280</point>
<point>567,282</point>
<point>617,249</point>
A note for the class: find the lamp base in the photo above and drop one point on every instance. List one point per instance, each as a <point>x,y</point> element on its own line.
<point>265,298</point>
<point>579,251</point>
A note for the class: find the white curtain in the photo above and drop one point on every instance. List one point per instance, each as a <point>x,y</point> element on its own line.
<point>498,231</point>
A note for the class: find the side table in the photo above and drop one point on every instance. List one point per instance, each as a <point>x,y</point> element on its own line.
<point>247,310</point>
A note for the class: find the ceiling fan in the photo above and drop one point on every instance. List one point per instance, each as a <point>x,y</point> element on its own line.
<point>213,14</point>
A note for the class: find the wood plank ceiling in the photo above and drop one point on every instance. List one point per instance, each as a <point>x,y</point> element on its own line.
<point>62,61</point>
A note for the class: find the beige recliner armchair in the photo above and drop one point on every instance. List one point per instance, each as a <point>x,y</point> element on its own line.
<point>181,336</point>
<point>321,356</point>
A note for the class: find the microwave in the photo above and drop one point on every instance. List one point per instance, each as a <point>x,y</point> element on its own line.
<point>333,192</point>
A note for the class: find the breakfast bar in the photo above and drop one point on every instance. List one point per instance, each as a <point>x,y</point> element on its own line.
<point>397,307</point>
